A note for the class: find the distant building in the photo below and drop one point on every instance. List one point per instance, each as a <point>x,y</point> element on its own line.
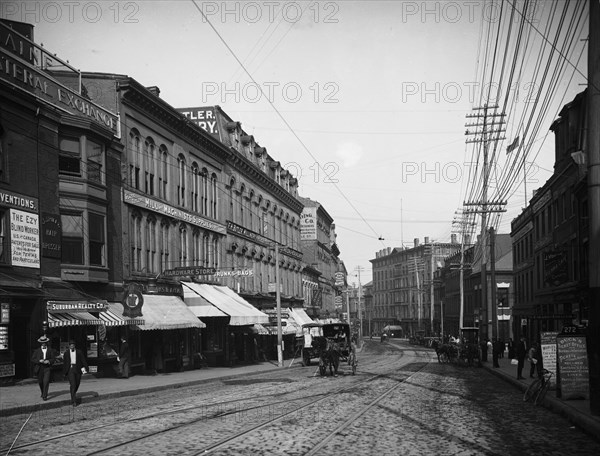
<point>403,286</point>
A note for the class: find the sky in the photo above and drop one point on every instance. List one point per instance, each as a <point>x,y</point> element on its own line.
<point>364,101</point>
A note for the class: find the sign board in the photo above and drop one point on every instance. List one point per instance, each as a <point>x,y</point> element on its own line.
<point>5,313</point>
<point>548,346</point>
<point>3,337</point>
<point>24,239</point>
<point>308,224</point>
<point>51,236</point>
<point>339,279</point>
<point>77,306</point>
<point>272,288</point>
<point>555,267</point>
<point>191,271</point>
<point>572,366</point>
<point>204,117</point>
<point>7,370</point>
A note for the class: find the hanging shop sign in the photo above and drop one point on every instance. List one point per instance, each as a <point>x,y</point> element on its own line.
<point>51,236</point>
<point>133,300</point>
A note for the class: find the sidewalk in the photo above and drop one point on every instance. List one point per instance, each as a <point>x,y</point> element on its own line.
<point>576,411</point>
<point>24,397</point>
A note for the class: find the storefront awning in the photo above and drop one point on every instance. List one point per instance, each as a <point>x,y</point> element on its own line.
<point>60,319</point>
<point>300,317</point>
<point>240,311</point>
<point>167,312</point>
<point>198,305</point>
<point>114,316</point>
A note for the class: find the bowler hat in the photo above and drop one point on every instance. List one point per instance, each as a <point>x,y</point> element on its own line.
<point>43,340</point>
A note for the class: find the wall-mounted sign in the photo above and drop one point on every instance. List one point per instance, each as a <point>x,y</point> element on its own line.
<point>188,271</point>
<point>3,337</point>
<point>27,78</point>
<point>133,300</point>
<point>9,199</point>
<point>7,370</point>
<point>77,306</point>
<point>548,346</point>
<point>176,213</point>
<point>51,236</point>
<point>24,239</point>
<point>308,224</point>
<point>5,313</point>
<point>204,117</point>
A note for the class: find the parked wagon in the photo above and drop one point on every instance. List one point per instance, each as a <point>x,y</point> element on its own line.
<point>331,344</point>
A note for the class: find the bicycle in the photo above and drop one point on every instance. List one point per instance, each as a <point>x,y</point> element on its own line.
<point>538,388</point>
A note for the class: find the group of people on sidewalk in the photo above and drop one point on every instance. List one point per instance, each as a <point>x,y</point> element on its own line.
<point>533,354</point>
<point>74,365</point>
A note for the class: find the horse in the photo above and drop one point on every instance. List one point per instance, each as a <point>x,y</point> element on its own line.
<point>329,355</point>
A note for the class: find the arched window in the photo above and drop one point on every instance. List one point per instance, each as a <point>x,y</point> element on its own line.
<point>206,250</point>
<point>149,166</point>
<point>241,205</point>
<point>181,180</point>
<point>151,244</point>
<point>164,245</point>
<point>196,248</point>
<point>163,172</point>
<point>204,191</point>
<point>231,193</point>
<point>215,252</point>
<point>195,187</point>
<point>213,195</point>
<point>134,159</point>
<point>136,241</point>
<point>182,245</point>
<point>250,211</point>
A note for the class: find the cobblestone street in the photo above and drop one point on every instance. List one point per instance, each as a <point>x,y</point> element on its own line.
<point>415,408</point>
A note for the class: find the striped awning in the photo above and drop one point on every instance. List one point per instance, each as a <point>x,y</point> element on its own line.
<point>113,316</point>
<point>60,319</point>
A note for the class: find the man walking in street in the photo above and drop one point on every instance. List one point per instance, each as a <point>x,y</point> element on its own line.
<point>74,365</point>
<point>43,358</point>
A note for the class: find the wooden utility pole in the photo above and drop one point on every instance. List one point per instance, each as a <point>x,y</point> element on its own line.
<point>488,127</point>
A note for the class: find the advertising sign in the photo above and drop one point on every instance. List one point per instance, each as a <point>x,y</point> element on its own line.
<point>25,239</point>
<point>204,117</point>
<point>548,346</point>
<point>572,366</point>
<point>3,337</point>
<point>308,224</point>
<point>5,313</point>
<point>51,232</point>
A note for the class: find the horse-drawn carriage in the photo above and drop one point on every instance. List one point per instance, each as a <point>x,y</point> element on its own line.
<point>331,343</point>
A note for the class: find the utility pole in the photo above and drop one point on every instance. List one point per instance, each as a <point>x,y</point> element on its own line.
<point>487,128</point>
<point>496,335</point>
<point>431,289</point>
<point>418,291</point>
<point>463,222</point>
<point>593,157</point>
<point>278,297</point>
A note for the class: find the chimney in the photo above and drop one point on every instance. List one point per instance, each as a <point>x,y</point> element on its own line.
<point>416,242</point>
<point>453,239</point>
<point>426,240</point>
<point>154,90</point>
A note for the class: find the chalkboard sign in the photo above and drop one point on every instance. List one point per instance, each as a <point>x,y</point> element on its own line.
<point>572,367</point>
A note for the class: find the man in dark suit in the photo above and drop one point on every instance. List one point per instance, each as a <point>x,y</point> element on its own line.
<point>42,359</point>
<point>74,365</point>
<point>123,358</point>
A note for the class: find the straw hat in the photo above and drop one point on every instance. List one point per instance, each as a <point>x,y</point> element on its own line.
<point>43,340</point>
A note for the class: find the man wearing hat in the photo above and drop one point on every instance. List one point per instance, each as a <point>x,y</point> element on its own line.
<point>42,359</point>
<point>74,365</point>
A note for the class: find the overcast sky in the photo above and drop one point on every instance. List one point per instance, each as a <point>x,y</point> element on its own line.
<point>375,92</point>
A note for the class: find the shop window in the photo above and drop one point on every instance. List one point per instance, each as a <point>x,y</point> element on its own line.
<point>72,238</point>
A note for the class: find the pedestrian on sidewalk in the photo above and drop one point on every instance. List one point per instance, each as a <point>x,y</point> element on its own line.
<point>496,352</point>
<point>535,360</point>
<point>123,358</point>
<point>74,365</point>
<point>521,353</point>
<point>43,358</point>
<point>511,349</point>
